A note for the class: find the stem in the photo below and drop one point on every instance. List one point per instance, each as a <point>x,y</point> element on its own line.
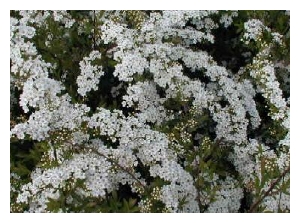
<point>197,186</point>
<point>255,205</point>
<point>54,151</point>
<point>121,167</point>
<point>94,24</point>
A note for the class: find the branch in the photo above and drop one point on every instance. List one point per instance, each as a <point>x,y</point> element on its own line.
<point>121,167</point>
<point>118,165</point>
<point>254,206</point>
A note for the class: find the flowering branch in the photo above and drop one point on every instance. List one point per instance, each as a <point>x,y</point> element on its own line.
<point>117,164</point>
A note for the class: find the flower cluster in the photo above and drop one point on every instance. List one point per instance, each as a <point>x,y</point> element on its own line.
<point>90,75</point>
<point>254,29</point>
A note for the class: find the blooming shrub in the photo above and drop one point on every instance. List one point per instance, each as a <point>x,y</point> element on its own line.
<point>150,111</point>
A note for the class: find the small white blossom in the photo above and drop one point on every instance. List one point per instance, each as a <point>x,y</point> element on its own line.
<point>90,75</point>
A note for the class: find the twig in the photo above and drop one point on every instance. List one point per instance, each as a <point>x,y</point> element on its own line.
<point>94,24</point>
<point>119,166</point>
<point>197,186</point>
<point>254,206</point>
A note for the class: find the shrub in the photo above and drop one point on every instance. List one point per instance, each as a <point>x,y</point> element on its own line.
<point>150,111</point>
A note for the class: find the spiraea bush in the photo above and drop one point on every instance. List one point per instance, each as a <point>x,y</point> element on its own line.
<point>150,111</point>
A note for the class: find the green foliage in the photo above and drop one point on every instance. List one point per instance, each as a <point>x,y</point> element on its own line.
<point>113,204</point>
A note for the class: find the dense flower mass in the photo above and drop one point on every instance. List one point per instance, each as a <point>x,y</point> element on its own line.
<point>150,111</point>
